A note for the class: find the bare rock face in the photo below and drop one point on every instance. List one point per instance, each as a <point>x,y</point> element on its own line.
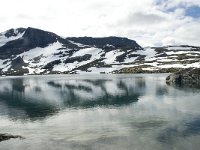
<point>4,137</point>
<point>38,38</point>
<point>108,43</point>
<point>187,77</point>
<point>12,32</point>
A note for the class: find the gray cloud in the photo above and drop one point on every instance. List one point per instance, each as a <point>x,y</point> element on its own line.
<point>142,18</point>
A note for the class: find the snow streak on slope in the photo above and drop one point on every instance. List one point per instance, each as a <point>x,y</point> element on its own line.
<point>94,52</point>
<point>174,57</point>
<point>39,57</point>
<point>110,57</point>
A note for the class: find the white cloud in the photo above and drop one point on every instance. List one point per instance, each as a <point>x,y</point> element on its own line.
<point>144,20</point>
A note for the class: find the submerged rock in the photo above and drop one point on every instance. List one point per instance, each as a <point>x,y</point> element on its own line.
<point>4,137</point>
<point>186,77</point>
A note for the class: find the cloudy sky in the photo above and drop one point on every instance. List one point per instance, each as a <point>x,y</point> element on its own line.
<point>149,22</point>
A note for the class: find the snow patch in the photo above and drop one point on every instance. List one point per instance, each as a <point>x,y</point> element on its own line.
<point>179,48</point>
<point>110,57</point>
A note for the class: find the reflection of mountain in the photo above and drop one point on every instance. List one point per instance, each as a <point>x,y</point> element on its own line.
<point>16,102</point>
<point>90,94</point>
<point>186,129</point>
<point>40,97</point>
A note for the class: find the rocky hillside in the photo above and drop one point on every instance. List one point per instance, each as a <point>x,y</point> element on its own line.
<point>34,51</point>
<point>165,60</point>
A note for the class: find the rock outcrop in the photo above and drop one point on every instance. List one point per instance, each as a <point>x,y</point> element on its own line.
<point>186,77</point>
<point>4,137</point>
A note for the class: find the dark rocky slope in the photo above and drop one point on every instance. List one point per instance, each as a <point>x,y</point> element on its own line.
<point>185,77</point>
<point>107,43</point>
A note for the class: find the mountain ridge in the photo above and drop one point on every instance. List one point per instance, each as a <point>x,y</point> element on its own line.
<point>35,51</point>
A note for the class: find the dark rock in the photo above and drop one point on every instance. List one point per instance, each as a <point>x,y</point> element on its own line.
<point>12,32</point>
<point>39,38</point>
<point>162,55</point>
<point>141,69</point>
<point>108,48</point>
<point>121,58</point>
<point>78,58</point>
<point>50,65</point>
<point>108,43</point>
<point>96,63</point>
<point>133,55</point>
<point>141,58</point>
<point>185,77</point>
<point>4,137</point>
<point>18,62</point>
<point>160,50</point>
<point>17,67</point>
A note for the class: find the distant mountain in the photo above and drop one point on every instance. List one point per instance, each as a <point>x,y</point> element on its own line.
<point>34,51</point>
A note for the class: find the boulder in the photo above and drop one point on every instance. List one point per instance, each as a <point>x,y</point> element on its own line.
<point>186,77</point>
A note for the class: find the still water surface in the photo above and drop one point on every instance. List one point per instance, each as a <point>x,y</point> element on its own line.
<point>98,112</point>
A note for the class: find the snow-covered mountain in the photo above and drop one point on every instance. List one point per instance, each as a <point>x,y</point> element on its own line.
<point>34,51</point>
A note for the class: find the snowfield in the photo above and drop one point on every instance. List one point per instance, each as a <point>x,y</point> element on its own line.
<point>47,55</point>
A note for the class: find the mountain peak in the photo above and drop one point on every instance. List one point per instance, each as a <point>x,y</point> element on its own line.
<point>31,38</point>
<point>39,38</point>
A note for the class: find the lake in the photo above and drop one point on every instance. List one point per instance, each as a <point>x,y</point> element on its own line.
<point>98,112</point>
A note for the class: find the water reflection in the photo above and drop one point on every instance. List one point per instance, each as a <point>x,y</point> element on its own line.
<point>99,112</point>
<point>161,90</point>
<point>34,98</point>
<point>186,129</point>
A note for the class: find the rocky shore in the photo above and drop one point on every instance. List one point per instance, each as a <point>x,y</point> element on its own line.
<point>4,137</point>
<point>186,77</point>
<point>144,69</point>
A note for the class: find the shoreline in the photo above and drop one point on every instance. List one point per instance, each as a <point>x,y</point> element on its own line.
<point>132,70</point>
